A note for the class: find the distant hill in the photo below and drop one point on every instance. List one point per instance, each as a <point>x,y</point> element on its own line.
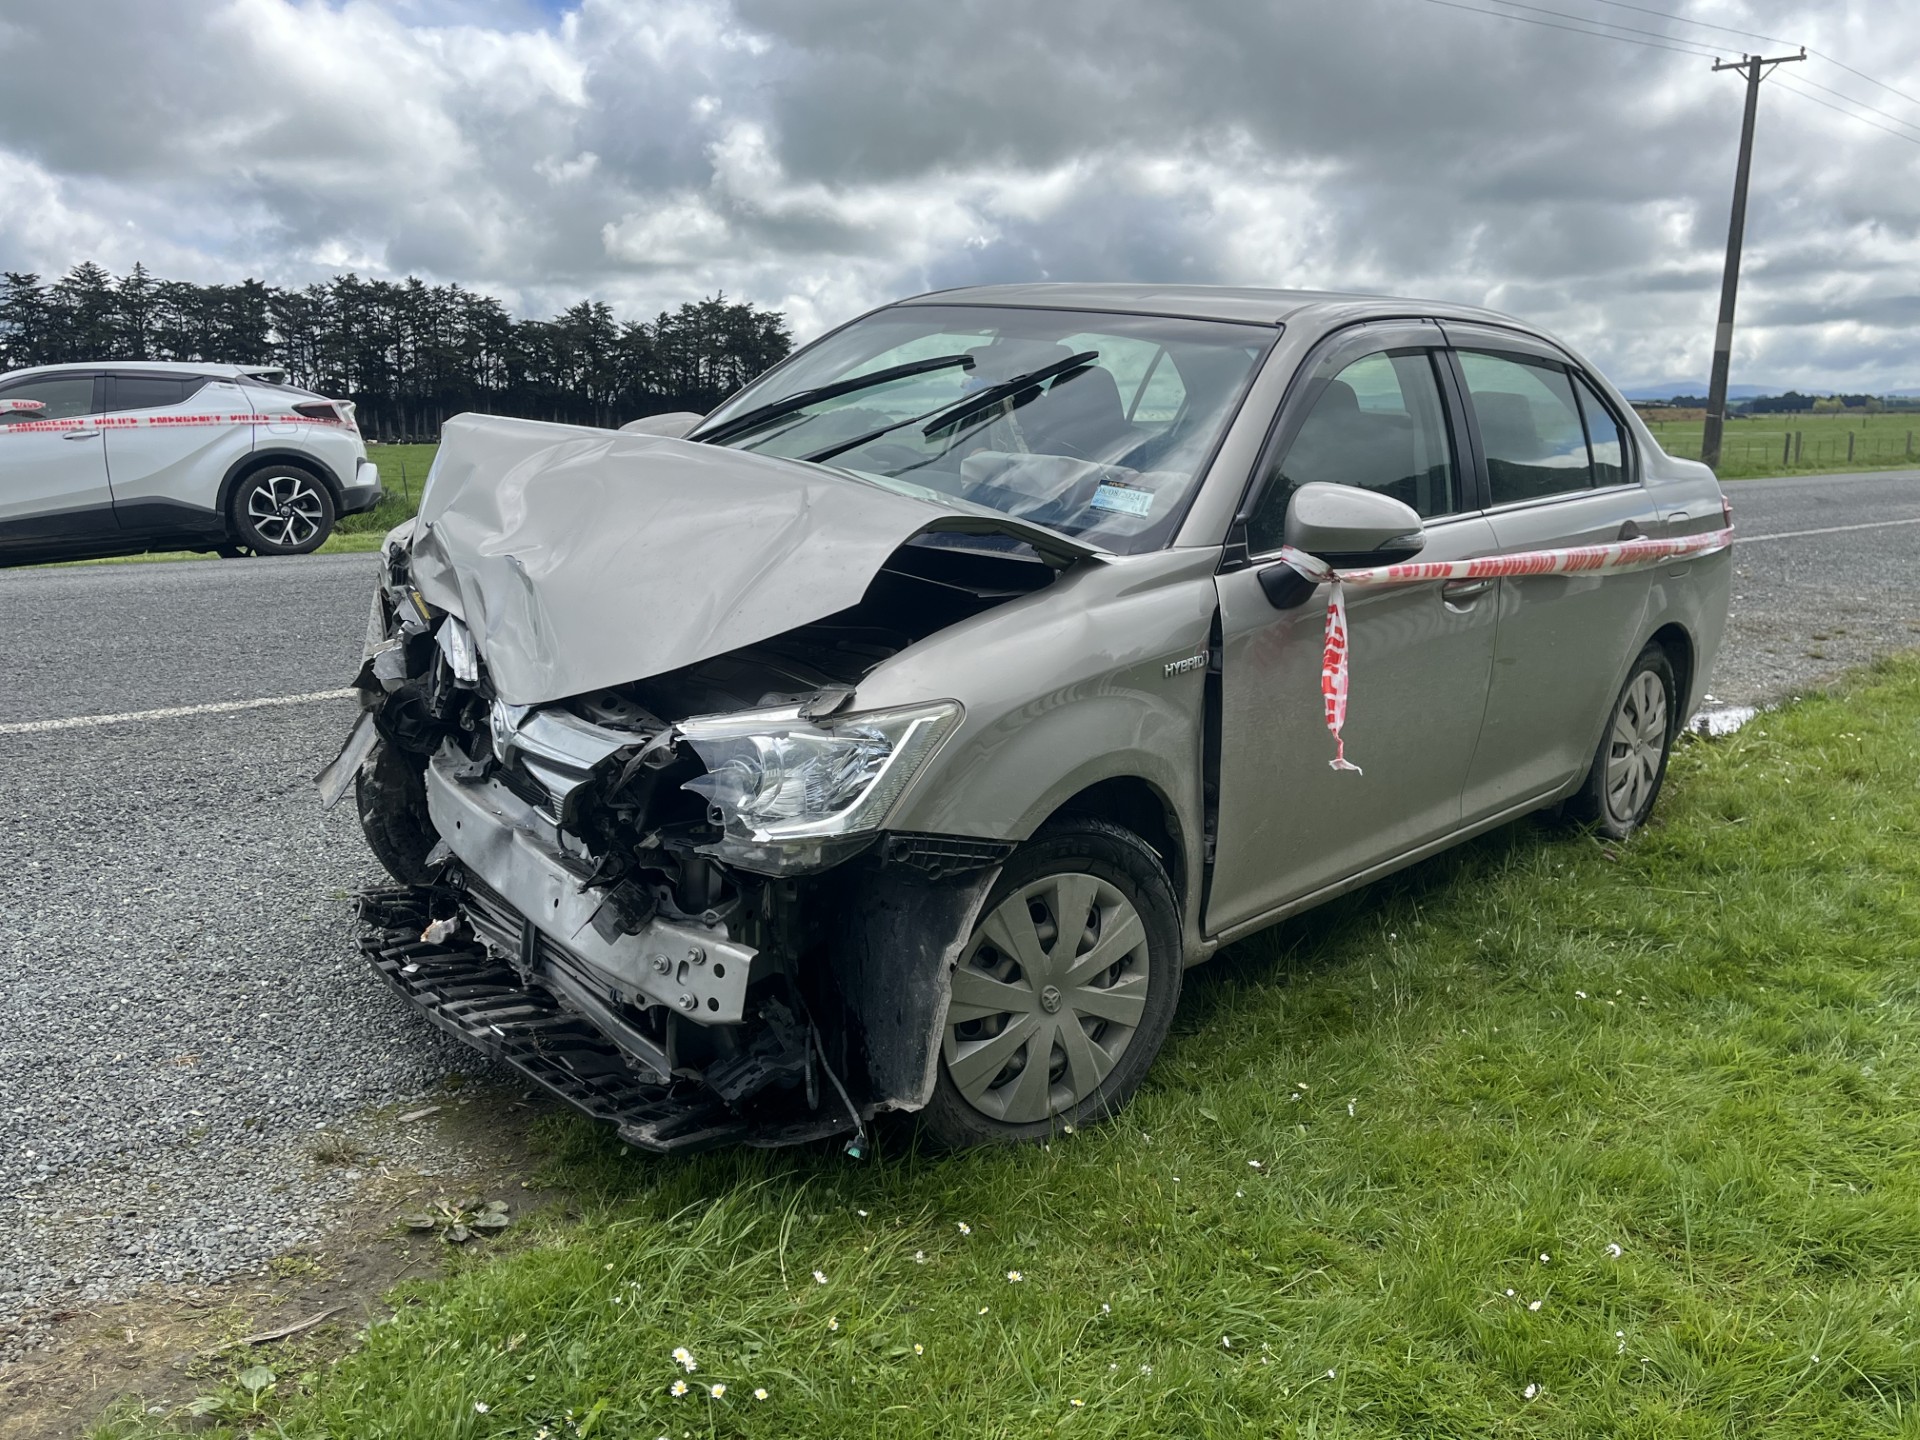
<point>1667,389</point>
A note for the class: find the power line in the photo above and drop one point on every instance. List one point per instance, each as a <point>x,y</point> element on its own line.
<point>1861,103</point>
<point>1698,49</point>
<point>1694,48</point>
<point>1756,35</point>
<point>1897,134</point>
<point>1702,24</point>
<point>1549,25</point>
<point>1866,77</point>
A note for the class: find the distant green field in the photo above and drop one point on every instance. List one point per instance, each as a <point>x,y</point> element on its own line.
<point>1757,445</point>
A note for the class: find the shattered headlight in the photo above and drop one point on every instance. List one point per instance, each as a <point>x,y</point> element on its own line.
<point>774,776</point>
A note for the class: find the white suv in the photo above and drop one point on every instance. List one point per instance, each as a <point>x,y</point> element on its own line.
<point>119,457</point>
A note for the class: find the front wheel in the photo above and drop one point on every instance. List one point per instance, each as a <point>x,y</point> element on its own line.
<point>390,793</point>
<point>282,510</point>
<point>1064,992</point>
<point>1631,762</point>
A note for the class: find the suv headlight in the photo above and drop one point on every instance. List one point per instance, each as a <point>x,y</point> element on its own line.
<point>774,776</point>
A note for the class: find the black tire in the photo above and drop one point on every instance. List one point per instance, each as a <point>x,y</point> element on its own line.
<point>281,509</point>
<point>390,793</point>
<point>1121,873</point>
<point>1631,762</point>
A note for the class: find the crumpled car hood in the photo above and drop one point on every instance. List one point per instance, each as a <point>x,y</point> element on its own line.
<point>582,559</point>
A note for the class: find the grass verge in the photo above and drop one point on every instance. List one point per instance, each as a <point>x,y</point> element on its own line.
<point>1547,1137</point>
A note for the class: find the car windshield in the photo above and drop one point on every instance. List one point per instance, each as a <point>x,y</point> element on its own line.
<point>1095,425</point>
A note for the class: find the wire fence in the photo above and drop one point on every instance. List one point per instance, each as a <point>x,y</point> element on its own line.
<point>1798,447</point>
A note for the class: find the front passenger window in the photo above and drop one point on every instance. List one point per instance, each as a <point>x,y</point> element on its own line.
<point>62,396</point>
<point>1378,425</point>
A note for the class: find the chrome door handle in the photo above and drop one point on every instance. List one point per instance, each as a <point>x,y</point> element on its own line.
<point>1454,591</point>
<point>80,435</point>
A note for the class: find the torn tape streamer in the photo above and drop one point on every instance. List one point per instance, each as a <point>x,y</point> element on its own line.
<point>1336,660</point>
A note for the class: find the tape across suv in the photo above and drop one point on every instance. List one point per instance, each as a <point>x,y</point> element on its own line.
<point>157,422</point>
<point>1335,661</point>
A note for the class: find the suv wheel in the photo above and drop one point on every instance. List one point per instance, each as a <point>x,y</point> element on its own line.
<point>1631,762</point>
<point>282,509</point>
<point>1064,993</point>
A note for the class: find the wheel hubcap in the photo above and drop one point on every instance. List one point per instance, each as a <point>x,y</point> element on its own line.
<point>1046,998</point>
<point>286,510</point>
<point>1637,745</point>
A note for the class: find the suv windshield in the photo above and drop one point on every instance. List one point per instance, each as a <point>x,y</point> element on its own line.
<point>1095,425</point>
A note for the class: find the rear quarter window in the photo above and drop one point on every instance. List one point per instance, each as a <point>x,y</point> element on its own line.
<point>150,392</point>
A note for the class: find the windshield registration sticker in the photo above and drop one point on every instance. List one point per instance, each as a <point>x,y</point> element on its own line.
<point>1123,498</point>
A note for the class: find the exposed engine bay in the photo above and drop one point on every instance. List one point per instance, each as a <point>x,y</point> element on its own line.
<point>670,901</point>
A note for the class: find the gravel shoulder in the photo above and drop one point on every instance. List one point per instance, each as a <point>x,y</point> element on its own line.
<point>1807,608</point>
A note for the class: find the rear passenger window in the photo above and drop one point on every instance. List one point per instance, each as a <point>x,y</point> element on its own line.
<point>1603,434</point>
<point>1530,427</point>
<point>149,392</point>
<point>61,397</point>
<point>1378,425</point>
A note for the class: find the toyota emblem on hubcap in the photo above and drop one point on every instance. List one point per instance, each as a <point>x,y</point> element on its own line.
<point>1050,1000</point>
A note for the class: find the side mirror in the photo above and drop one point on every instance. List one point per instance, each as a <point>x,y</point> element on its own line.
<point>1346,526</point>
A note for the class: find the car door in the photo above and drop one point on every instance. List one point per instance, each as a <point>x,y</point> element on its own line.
<point>1375,411</point>
<point>171,440</point>
<point>1559,473</point>
<point>53,478</point>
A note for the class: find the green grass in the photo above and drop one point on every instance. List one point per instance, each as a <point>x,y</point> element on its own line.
<point>1462,1088</point>
<point>403,470</point>
<point>1753,447</point>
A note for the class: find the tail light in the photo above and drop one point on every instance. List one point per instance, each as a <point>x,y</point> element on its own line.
<point>1726,512</point>
<point>328,412</point>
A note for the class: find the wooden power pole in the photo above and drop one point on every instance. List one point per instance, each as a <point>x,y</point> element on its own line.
<point>1755,68</point>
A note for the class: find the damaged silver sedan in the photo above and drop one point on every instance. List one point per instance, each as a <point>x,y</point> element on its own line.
<point>893,737</point>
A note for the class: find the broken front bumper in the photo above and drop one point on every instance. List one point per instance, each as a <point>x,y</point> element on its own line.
<point>675,1029</point>
<point>471,994</point>
<point>515,849</point>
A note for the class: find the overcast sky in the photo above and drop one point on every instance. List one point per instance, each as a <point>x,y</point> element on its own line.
<point>825,156</point>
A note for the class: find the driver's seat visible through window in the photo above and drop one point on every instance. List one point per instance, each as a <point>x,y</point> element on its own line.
<point>1379,424</point>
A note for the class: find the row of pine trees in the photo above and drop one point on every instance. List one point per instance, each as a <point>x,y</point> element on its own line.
<point>407,353</point>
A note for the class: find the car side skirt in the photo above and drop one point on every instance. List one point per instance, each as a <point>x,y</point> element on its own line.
<point>1387,867</point>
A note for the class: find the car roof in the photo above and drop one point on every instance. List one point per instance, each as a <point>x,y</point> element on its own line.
<point>1245,304</point>
<point>219,370</point>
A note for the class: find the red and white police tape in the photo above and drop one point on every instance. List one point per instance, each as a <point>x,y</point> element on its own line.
<point>154,422</point>
<point>1584,559</point>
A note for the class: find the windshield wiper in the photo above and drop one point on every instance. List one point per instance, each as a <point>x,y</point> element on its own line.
<point>953,413</point>
<point>800,399</point>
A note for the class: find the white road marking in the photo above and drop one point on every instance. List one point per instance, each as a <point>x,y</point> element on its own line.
<point>173,712</point>
<point>1827,530</point>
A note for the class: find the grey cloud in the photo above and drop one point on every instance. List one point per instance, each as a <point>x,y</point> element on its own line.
<point>831,155</point>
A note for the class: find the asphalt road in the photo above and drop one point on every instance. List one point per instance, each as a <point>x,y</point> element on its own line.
<point>1810,605</point>
<point>181,1003</point>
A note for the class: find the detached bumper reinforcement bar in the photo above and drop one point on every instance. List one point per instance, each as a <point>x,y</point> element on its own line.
<point>480,1001</point>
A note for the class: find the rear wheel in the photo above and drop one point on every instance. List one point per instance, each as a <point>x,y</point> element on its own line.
<point>282,509</point>
<point>1064,992</point>
<point>1631,762</point>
